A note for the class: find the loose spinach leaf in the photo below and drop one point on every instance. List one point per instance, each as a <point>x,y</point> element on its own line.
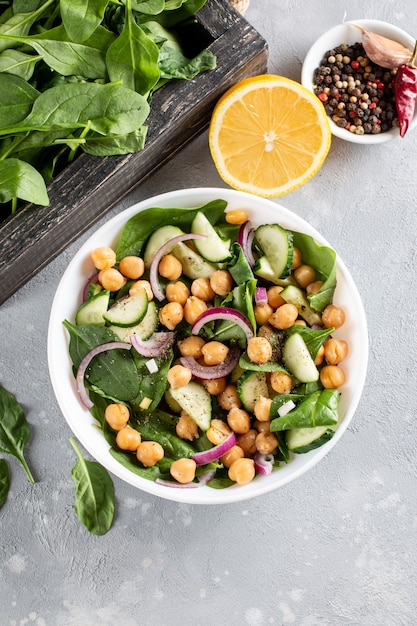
<point>18,63</point>
<point>105,109</point>
<point>19,179</point>
<point>323,259</point>
<point>317,409</point>
<point>16,99</point>
<point>100,145</point>
<point>4,481</point>
<point>133,57</point>
<point>94,494</point>
<point>113,372</point>
<point>14,429</point>
<point>138,228</point>
<point>82,17</point>
<point>19,25</point>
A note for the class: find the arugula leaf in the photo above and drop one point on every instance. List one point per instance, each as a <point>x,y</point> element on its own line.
<point>14,429</point>
<point>4,481</point>
<point>94,494</point>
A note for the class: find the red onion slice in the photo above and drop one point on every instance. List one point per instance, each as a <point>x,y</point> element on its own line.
<point>261,295</point>
<point>202,481</point>
<point>208,456</point>
<point>211,372</point>
<point>153,270</point>
<point>155,346</point>
<point>245,239</point>
<point>85,362</point>
<point>263,463</point>
<point>223,313</point>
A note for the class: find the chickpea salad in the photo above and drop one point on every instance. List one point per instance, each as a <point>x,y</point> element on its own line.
<point>204,346</point>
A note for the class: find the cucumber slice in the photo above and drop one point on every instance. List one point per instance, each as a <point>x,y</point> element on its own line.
<point>144,329</point>
<point>157,240</point>
<point>263,269</point>
<point>250,387</point>
<point>298,360</point>
<point>277,245</point>
<point>295,295</point>
<point>93,310</point>
<point>128,311</point>
<point>213,249</point>
<point>196,401</point>
<point>302,440</point>
<point>193,265</point>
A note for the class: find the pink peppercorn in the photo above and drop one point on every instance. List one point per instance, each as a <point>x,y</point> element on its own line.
<point>354,65</point>
<point>323,97</point>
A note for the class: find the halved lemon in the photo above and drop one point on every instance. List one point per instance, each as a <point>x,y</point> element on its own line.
<point>268,135</point>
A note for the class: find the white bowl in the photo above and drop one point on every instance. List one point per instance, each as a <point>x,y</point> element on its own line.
<point>346,33</point>
<point>67,300</point>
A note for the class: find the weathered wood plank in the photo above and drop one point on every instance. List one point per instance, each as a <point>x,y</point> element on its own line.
<point>90,186</point>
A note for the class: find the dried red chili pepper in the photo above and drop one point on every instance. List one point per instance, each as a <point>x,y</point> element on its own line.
<point>405,92</point>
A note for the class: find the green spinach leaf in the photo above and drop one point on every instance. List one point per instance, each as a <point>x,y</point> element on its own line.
<point>16,99</point>
<point>313,339</point>
<point>133,57</point>
<point>94,494</point>
<point>18,63</point>
<point>19,179</point>
<point>14,429</point>
<point>4,481</point>
<point>317,409</point>
<point>82,17</point>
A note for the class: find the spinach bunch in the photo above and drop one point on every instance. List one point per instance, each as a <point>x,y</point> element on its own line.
<point>78,75</point>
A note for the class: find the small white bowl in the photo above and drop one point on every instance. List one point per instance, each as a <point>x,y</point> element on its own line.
<point>67,300</point>
<point>346,33</point>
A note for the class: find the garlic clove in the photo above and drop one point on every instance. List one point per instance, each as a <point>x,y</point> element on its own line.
<point>383,51</point>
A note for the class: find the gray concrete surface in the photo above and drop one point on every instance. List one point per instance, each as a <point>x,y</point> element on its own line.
<point>335,548</point>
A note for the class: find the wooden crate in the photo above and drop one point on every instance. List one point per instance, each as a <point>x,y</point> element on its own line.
<point>90,186</point>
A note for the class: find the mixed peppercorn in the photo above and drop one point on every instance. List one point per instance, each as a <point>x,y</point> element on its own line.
<point>357,94</point>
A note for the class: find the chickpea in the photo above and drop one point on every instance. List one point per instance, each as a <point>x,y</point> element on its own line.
<point>314,287</point>
<point>218,431</point>
<point>171,315</point>
<point>214,352</point>
<point>231,455</point>
<point>186,428</point>
<point>221,282</point>
<point>247,442</point>
<point>170,267</point>
<point>284,317</point>
<point>335,350</point>
<point>117,415</point>
<point>237,216</point>
<point>300,323</point>
<point>103,257</point>
<point>296,258</point>
<point>319,356</point>
<point>193,308</point>
<point>239,420</point>
<point>141,284</point>
<point>262,313</point>
<point>177,292</point>
<point>132,267</point>
<point>259,350</point>
<point>274,296</point>
<point>215,386</point>
<point>332,376</point>
<point>179,376</point>
<point>242,471</point>
<point>304,275</point>
<point>191,346</point>
<point>111,279</point>
<point>201,288</point>
<point>333,316</point>
<point>266,442</point>
<point>149,453</point>
<point>128,438</point>
<point>262,427</point>
<point>262,409</point>
<point>281,382</point>
<point>229,398</point>
<point>183,470</point>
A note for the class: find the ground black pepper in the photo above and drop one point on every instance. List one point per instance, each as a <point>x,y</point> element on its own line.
<point>356,93</point>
